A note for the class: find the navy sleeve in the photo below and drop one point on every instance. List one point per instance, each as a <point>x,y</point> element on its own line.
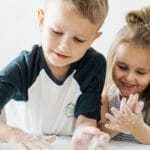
<point>6,93</point>
<point>11,81</point>
<point>18,76</point>
<point>91,79</point>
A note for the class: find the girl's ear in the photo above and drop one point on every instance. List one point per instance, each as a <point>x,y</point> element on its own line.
<point>41,15</point>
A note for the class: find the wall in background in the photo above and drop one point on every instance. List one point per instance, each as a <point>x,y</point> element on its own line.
<point>19,26</point>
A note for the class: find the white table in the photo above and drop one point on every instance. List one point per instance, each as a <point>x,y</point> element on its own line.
<point>63,143</point>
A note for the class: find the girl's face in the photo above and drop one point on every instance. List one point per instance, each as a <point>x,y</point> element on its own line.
<point>131,69</point>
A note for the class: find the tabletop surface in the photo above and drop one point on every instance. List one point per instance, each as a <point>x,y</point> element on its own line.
<point>63,143</point>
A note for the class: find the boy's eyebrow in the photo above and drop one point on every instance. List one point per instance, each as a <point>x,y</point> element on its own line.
<point>120,62</point>
<point>82,36</point>
<point>61,28</point>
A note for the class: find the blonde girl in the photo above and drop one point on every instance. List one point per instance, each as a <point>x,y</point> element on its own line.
<point>127,86</point>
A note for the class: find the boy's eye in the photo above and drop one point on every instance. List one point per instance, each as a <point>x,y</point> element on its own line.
<point>78,40</point>
<point>57,32</point>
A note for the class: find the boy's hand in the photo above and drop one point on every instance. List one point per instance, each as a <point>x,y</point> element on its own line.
<point>99,142</point>
<point>88,137</point>
<point>29,141</point>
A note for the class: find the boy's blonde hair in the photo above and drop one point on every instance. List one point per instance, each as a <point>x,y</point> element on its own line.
<point>136,32</point>
<point>95,10</point>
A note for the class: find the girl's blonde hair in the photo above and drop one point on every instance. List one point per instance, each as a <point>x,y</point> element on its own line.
<point>136,32</point>
<point>95,10</point>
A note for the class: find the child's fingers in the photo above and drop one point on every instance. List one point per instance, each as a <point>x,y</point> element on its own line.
<point>138,108</point>
<point>114,127</point>
<point>123,102</point>
<point>109,117</point>
<point>50,138</point>
<point>141,105</point>
<point>90,130</point>
<point>85,133</point>
<point>99,142</point>
<point>127,110</point>
<point>132,101</point>
<point>104,137</point>
<point>115,111</point>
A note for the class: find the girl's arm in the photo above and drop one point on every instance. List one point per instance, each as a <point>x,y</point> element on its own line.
<point>135,124</point>
<point>142,133</point>
<point>131,122</point>
<point>104,120</point>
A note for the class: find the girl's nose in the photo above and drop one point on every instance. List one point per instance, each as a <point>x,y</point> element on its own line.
<point>130,77</point>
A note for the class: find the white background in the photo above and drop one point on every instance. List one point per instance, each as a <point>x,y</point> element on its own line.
<point>19,28</point>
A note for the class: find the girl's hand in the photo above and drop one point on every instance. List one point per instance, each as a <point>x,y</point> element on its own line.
<point>132,103</point>
<point>126,120</point>
<point>89,137</point>
<point>113,121</point>
<point>29,141</point>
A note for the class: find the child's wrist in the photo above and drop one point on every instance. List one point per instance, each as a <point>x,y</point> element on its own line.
<point>13,134</point>
<point>138,128</point>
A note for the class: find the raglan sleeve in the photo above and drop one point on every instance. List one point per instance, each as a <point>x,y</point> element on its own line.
<point>89,101</point>
<point>11,81</point>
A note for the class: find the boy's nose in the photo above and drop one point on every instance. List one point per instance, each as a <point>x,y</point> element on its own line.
<point>63,45</point>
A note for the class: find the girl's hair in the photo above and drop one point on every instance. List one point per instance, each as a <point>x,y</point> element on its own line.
<point>95,10</point>
<point>136,32</point>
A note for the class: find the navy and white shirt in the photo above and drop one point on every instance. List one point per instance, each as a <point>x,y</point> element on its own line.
<point>37,102</point>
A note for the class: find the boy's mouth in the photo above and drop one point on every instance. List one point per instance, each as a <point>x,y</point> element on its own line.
<point>60,55</point>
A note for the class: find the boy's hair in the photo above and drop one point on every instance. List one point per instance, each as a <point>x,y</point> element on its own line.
<point>95,10</point>
<point>136,32</point>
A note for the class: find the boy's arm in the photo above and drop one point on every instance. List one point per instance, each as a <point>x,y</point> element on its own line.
<point>88,136</point>
<point>84,121</point>
<point>14,135</point>
<point>3,129</point>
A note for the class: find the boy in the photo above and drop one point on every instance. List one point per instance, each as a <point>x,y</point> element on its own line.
<point>58,80</point>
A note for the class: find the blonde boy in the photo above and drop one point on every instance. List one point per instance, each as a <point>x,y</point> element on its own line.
<point>56,86</point>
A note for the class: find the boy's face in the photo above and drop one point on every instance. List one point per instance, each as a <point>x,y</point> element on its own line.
<point>131,70</point>
<point>66,35</point>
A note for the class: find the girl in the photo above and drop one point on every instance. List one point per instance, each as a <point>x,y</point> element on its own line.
<point>129,73</point>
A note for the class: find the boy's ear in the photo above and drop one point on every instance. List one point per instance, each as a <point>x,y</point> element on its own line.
<point>40,14</point>
<point>98,34</point>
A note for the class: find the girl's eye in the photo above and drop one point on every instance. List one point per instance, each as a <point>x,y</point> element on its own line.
<point>122,67</point>
<point>141,73</point>
<point>78,40</point>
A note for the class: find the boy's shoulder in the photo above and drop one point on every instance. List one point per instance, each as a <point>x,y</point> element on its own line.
<point>92,58</point>
<point>91,52</point>
<point>92,64</point>
<point>34,50</point>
